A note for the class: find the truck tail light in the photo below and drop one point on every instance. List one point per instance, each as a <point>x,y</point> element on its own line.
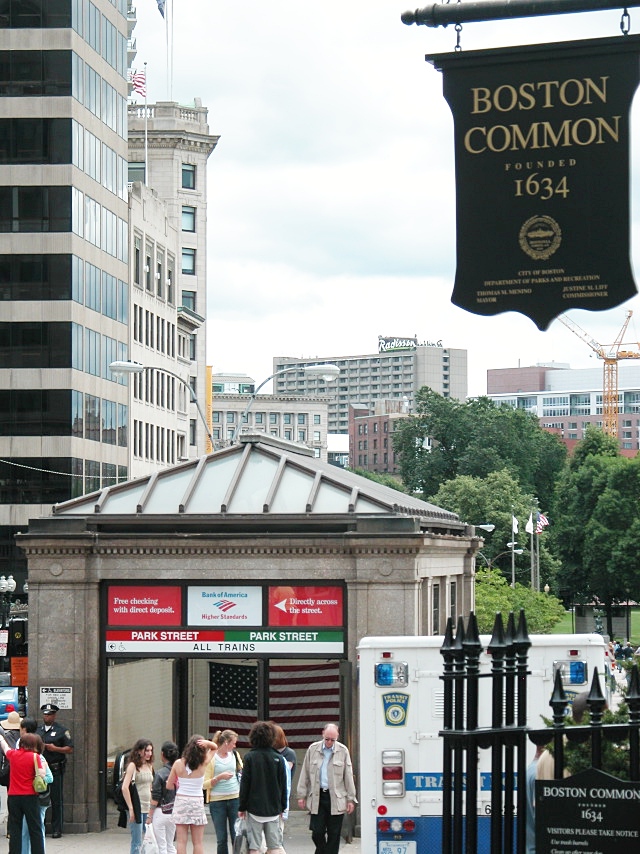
<point>384,825</point>
<point>393,773</point>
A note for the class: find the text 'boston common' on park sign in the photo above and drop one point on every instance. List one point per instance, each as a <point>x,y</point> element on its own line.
<point>542,175</point>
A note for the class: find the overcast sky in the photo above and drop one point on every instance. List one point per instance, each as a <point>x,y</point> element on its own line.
<point>331,197</point>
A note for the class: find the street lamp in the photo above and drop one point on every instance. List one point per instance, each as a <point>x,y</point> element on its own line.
<point>7,587</point>
<point>488,528</point>
<point>490,563</point>
<point>327,372</point>
<point>121,369</point>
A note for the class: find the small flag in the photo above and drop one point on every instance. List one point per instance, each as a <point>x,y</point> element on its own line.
<point>514,524</point>
<point>139,83</point>
<point>529,526</point>
<point>161,6</point>
<point>541,523</point>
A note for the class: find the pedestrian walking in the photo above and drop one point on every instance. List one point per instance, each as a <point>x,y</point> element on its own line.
<point>161,806</point>
<point>222,787</point>
<point>327,789</point>
<point>187,777</point>
<point>263,790</point>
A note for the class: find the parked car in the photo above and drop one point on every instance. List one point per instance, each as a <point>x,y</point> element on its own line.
<point>9,702</point>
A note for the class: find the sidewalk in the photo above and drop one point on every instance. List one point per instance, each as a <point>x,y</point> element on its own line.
<point>297,839</point>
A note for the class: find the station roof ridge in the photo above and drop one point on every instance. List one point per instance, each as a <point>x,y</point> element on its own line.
<point>260,475</point>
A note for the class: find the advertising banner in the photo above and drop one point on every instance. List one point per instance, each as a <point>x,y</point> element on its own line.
<point>305,606</point>
<point>144,606</point>
<point>224,604</point>
<point>542,147</point>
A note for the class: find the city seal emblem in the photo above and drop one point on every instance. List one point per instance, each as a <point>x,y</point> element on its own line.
<point>540,237</point>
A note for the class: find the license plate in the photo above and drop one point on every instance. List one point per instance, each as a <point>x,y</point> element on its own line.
<point>392,847</point>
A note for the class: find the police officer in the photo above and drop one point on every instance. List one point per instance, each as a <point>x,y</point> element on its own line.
<point>57,746</point>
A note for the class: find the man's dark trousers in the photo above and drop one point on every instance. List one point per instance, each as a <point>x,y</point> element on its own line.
<point>325,828</point>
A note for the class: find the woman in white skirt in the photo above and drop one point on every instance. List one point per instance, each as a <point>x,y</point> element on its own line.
<point>186,777</point>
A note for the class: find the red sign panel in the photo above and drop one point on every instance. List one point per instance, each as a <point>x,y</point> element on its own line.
<point>305,606</point>
<point>144,606</point>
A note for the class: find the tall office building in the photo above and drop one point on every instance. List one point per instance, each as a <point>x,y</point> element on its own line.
<point>398,370</point>
<point>64,254</point>
<point>93,269</point>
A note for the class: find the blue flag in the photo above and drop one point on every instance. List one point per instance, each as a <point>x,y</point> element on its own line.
<point>161,6</point>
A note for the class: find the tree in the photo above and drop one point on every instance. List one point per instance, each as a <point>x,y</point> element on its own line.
<point>495,499</point>
<point>598,524</point>
<point>447,438</point>
<point>494,594</point>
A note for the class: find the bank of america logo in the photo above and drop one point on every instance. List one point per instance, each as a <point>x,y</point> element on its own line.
<point>224,605</point>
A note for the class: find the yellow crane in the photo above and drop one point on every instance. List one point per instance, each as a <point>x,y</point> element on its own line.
<point>610,354</point>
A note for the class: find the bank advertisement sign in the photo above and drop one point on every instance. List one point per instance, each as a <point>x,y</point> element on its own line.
<point>305,606</point>
<point>224,604</point>
<point>542,144</point>
<point>128,605</point>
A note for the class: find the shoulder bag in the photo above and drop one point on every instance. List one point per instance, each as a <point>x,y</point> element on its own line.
<point>39,785</point>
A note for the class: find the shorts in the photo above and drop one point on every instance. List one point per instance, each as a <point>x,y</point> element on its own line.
<point>188,810</point>
<point>272,833</point>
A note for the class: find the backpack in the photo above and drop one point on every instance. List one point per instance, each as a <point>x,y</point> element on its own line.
<point>11,738</point>
<point>119,769</point>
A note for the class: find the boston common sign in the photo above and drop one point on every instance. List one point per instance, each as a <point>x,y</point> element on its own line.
<point>542,175</point>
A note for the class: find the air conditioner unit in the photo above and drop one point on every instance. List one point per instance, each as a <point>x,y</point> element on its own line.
<point>158,276</point>
<point>146,268</point>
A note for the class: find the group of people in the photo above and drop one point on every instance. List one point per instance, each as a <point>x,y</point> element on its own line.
<point>33,751</point>
<point>256,789</point>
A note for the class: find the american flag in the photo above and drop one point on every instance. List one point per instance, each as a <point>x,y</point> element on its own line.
<point>161,4</point>
<point>302,697</point>
<point>541,523</point>
<point>139,83</point>
<point>233,698</point>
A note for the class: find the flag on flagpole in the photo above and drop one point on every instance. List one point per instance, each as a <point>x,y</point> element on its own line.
<point>161,6</point>
<point>541,523</point>
<point>514,524</point>
<point>139,83</point>
<point>529,526</point>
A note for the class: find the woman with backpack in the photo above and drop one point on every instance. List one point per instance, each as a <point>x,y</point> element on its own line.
<point>136,789</point>
<point>161,808</point>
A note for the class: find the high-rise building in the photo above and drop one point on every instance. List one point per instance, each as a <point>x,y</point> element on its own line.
<point>93,269</point>
<point>567,400</point>
<point>64,255</point>
<point>398,370</point>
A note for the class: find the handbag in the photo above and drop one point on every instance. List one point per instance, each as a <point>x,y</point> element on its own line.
<point>149,843</point>
<point>167,809</point>
<point>39,784</point>
<point>241,842</point>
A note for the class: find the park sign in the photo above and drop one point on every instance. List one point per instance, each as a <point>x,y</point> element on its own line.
<point>542,175</point>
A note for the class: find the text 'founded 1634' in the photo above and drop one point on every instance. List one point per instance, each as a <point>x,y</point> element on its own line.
<point>542,175</point>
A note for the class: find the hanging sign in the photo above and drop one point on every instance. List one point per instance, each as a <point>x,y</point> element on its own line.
<point>542,175</point>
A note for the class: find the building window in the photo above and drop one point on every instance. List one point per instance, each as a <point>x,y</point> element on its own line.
<point>302,418</point>
<point>259,418</point>
<point>316,419</point>
<point>189,261</point>
<point>188,176</point>
<point>188,218</point>
<point>316,435</point>
<point>231,418</point>
<point>435,609</point>
<point>136,172</point>
<point>189,300</point>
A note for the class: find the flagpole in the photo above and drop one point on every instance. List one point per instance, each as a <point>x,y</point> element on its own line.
<point>146,119</point>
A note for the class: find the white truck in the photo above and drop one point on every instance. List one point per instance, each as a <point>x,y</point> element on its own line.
<point>401,705</point>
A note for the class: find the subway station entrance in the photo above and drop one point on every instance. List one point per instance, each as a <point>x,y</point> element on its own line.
<point>222,590</point>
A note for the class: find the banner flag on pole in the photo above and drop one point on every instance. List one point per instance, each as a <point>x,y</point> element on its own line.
<point>514,524</point>
<point>529,526</point>
<point>161,6</point>
<point>541,523</point>
<point>139,83</point>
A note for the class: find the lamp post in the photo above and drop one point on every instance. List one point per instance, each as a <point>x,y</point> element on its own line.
<point>7,587</point>
<point>488,528</point>
<point>490,563</point>
<point>121,369</point>
<point>326,372</point>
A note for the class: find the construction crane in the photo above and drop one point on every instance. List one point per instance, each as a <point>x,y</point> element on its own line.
<point>611,355</point>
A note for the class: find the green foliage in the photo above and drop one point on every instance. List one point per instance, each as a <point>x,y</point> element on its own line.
<point>493,594</point>
<point>495,498</point>
<point>615,754</point>
<point>475,438</point>
<point>385,479</point>
<point>597,530</point>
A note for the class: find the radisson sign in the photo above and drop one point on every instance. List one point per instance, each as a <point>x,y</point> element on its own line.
<point>386,344</point>
<point>542,175</point>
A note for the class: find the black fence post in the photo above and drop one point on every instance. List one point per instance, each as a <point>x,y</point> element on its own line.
<point>458,746</point>
<point>497,648</point>
<point>472,648</point>
<point>522,643</point>
<point>446,651</point>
